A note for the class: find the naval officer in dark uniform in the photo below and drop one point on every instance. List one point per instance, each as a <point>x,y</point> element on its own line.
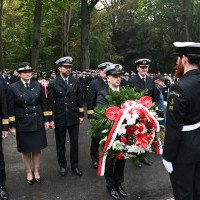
<point>94,87</point>
<point>4,126</point>
<point>141,81</point>
<point>114,170</point>
<point>28,117</point>
<point>182,138</point>
<point>65,103</point>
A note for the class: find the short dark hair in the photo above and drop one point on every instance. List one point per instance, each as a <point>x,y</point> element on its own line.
<point>193,59</point>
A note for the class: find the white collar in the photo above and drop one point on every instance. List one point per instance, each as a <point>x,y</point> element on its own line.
<point>25,82</point>
<point>141,76</point>
<point>115,89</point>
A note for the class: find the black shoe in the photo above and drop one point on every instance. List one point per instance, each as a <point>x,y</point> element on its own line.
<point>37,180</point>
<point>30,182</point>
<point>63,171</point>
<point>3,193</point>
<point>121,191</point>
<point>113,193</point>
<point>77,171</point>
<point>95,165</point>
<point>146,162</point>
<point>138,164</point>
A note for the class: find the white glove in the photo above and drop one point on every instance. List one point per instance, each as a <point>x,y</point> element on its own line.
<point>168,166</point>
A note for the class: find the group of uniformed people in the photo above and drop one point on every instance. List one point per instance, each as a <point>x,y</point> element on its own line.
<point>28,113</point>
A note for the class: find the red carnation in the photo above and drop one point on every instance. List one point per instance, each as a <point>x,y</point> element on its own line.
<point>140,128</point>
<point>142,140</point>
<point>120,156</point>
<point>124,140</point>
<point>130,141</point>
<point>135,127</point>
<point>149,126</point>
<point>129,131</point>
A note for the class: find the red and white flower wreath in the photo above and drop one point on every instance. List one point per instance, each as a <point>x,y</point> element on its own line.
<point>135,127</point>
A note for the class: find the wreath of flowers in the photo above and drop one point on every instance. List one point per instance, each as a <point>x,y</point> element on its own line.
<point>131,132</point>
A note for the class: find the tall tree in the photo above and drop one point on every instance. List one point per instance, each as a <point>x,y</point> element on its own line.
<point>36,35</point>
<point>66,26</point>
<point>86,8</point>
<point>1,44</point>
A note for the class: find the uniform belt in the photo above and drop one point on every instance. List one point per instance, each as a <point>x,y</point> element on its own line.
<point>191,127</point>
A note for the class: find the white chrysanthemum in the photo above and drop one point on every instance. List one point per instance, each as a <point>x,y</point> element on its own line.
<point>128,155</point>
<point>128,116</point>
<point>122,130</point>
<point>131,121</point>
<point>117,145</point>
<point>135,149</point>
<point>105,131</point>
<point>135,115</point>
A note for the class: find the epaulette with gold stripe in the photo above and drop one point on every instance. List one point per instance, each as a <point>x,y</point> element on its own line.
<point>5,121</point>
<point>90,112</point>
<point>81,110</point>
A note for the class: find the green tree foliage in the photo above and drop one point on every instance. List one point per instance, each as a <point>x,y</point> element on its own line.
<point>121,32</point>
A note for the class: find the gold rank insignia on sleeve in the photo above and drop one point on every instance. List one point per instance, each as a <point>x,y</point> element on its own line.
<point>50,113</point>
<point>90,112</point>
<point>46,113</point>
<point>11,119</point>
<point>81,110</point>
<point>5,121</point>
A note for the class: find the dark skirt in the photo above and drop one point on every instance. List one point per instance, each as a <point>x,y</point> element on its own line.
<point>31,141</point>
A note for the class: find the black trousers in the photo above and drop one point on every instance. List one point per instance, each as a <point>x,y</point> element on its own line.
<point>60,132</point>
<point>114,172</point>
<point>94,149</point>
<point>2,165</point>
<point>185,180</point>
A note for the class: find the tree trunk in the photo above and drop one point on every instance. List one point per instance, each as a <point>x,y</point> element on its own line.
<point>185,17</point>
<point>68,26</point>
<point>36,35</point>
<point>1,42</point>
<point>64,49</point>
<point>85,27</point>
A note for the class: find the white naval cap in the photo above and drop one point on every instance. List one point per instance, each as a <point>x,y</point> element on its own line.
<point>64,61</point>
<point>191,48</point>
<point>113,69</point>
<point>104,65</point>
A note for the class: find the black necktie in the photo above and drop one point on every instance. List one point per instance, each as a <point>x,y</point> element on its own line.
<point>144,79</point>
<point>27,85</point>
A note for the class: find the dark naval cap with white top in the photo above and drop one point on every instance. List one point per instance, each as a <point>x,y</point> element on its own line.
<point>113,69</point>
<point>104,65</point>
<point>187,48</point>
<point>144,62</point>
<point>64,61</point>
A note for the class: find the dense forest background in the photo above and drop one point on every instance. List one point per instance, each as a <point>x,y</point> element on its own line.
<point>95,31</point>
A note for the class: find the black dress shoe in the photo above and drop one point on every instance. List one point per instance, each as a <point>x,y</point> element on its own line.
<point>138,164</point>
<point>30,182</point>
<point>121,191</point>
<point>146,162</point>
<point>3,193</point>
<point>37,180</point>
<point>95,165</point>
<point>77,171</point>
<point>63,171</point>
<point>113,193</point>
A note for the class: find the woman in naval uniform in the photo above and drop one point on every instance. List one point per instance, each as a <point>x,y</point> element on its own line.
<point>28,117</point>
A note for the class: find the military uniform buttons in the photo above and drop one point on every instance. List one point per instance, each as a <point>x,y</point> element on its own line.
<point>66,109</point>
<point>65,103</point>
<point>33,100</point>
<point>33,106</point>
<point>26,114</point>
<point>35,113</point>
<point>26,108</point>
